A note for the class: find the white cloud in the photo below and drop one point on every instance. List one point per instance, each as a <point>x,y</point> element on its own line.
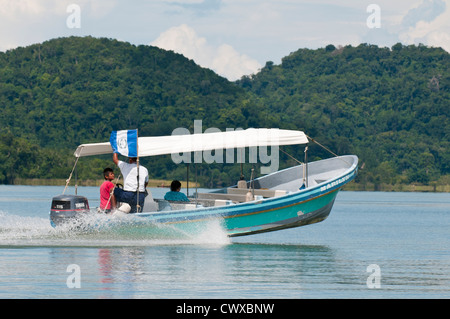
<point>14,8</point>
<point>433,32</point>
<point>25,22</point>
<point>33,9</point>
<point>427,11</point>
<point>225,29</point>
<point>224,60</point>
<point>184,1</point>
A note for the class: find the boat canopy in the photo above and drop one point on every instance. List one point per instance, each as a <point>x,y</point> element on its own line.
<point>161,145</point>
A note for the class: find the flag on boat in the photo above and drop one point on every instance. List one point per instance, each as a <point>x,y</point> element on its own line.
<point>124,142</point>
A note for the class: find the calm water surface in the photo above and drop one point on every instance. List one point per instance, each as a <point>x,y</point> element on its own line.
<point>405,235</point>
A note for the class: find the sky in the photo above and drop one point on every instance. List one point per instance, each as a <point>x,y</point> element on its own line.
<point>231,37</point>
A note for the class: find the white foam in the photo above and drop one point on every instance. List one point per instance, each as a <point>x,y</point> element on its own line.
<point>214,234</point>
<point>105,230</point>
<point>14,228</point>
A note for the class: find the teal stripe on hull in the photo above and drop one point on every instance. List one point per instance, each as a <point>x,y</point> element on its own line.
<point>246,221</point>
<point>299,220</point>
<point>294,206</point>
<point>280,217</point>
<point>298,209</point>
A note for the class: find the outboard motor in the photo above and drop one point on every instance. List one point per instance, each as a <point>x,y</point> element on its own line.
<point>66,208</point>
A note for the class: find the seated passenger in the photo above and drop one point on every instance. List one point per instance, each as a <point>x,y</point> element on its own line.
<point>175,194</point>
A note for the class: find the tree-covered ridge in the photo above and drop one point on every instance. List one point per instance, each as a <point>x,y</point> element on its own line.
<point>390,106</point>
<point>85,87</point>
<point>69,91</point>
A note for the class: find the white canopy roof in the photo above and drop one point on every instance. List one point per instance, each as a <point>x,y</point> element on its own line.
<point>160,145</point>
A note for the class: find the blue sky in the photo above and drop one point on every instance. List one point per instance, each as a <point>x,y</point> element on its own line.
<point>232,37</point>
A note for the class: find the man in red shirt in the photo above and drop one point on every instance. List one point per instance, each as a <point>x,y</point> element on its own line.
<point>106,191</point>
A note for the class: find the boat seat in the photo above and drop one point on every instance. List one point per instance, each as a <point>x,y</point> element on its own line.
<point>258,192</point>
<point>242,184</point>
<point>222,202</point>
<point>149,204</point>
<point>312,182</point>
<point>167,205</point>
<point>177,205</point>
<point>233,197</point>
<point>163,205</point>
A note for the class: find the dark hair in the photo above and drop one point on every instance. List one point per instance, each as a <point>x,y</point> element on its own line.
<point>175,185</point>
<point>107,170</point>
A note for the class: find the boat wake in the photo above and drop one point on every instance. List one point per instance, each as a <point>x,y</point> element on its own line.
<point>103,230</point>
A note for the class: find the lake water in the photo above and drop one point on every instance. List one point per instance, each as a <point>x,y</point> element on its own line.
<point>373,245</point>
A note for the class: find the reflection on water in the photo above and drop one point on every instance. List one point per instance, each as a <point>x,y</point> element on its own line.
<point>405,234</point>
<point>101,230</point>
<point>208,271</point>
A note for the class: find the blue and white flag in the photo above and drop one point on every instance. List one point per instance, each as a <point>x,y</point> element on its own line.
<point>124,142</point>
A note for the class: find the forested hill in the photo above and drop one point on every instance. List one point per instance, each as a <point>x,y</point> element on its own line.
<point>75,90</point>
<point>388,106</point>
<point>65,92</point>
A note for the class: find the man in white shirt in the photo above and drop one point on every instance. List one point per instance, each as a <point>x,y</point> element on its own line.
<point>129,193</point>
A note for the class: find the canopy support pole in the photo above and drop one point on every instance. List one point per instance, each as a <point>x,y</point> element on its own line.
<point>76,181</point>
<point>187,179</point>
<point>138,207</point>
<point>327,149</point>
<point>196,185</point>
<point>305,175</point>
<point>70,176</point>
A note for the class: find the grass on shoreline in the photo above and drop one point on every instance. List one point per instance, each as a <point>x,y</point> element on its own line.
<point>382,187</point>
<point>166,183</point>
<point>89,182</point>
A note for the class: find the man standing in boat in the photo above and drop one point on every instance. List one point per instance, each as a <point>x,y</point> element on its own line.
<point>129,194</point>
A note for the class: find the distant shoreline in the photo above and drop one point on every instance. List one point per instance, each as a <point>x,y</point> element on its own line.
<point>90,182</point>
<point>382,187</point>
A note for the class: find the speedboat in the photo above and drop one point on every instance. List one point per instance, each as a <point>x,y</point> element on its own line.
<point>296,196</point>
